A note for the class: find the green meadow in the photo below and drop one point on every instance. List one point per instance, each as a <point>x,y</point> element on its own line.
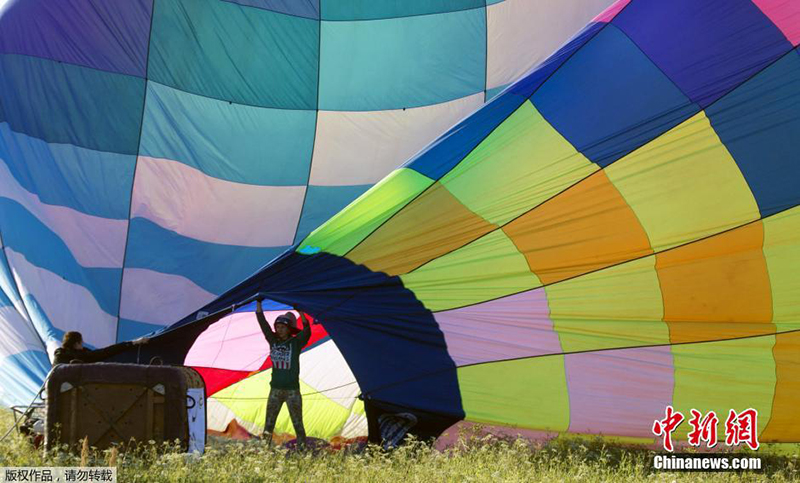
<point>473,459</point>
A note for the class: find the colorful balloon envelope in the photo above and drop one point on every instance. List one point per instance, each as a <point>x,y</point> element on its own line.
<point>615,233</point>
<point>155,153</point>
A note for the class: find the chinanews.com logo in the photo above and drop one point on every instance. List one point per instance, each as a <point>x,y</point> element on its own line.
<point>740,429</point>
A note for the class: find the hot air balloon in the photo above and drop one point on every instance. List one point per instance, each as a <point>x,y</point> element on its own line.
<point>153,154</point>
<point>615,233</point>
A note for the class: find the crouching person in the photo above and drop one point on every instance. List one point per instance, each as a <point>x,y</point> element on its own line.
<point>285,345</point>
<point>72,349</point>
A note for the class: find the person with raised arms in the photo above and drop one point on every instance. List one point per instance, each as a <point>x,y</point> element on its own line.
<point>285,344</point>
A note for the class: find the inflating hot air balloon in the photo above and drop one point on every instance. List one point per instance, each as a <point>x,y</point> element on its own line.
<point>616,233</point>
<point>154,153</point>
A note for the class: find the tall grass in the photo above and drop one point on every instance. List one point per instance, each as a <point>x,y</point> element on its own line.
<point>475,459</point>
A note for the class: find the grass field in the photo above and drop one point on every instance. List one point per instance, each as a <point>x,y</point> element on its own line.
<point>564,459</point>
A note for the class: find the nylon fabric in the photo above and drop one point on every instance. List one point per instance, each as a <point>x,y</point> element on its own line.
<point>614,230</point>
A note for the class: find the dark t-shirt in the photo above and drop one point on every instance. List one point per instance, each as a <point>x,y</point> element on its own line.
<point>285,355</point>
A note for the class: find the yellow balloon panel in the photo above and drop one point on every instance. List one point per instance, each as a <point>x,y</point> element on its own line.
<point>720,376</point>
<point>684,185</point>
<point>616,307</point>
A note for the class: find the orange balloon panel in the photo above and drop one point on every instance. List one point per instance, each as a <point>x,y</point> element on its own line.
<point>717,288</point>
<point>430,226</point>
<point>585,228</point>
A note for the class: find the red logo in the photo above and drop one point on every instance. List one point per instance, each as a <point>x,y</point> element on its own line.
<point>742,428</point>
<point>666,426</point>
<point>739,428</point>
<point>704,429</point>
